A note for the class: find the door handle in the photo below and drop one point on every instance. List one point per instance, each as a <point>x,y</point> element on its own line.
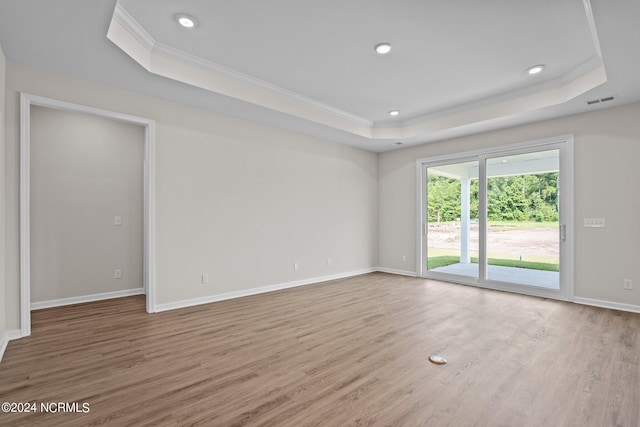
<point>563,232</point>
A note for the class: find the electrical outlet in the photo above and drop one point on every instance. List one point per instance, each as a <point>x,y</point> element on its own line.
<point>628,284</point>
<point>205,278</point>
<point>117,274</point>
<point>117,220</point>
<point>404,258</point>
<point>296,266</point>
<point>328,262</point>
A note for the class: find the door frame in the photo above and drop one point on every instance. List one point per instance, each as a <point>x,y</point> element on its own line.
<point>26,101</point>
<point>565,144</point>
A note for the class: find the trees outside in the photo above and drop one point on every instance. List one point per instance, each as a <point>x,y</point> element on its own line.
<point>510,198</point>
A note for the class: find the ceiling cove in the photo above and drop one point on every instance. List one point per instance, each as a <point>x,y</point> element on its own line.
<point>173,63</point>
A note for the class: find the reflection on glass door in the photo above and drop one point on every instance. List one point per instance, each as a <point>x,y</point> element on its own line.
<point>452,219</point>
<point>523,212</point>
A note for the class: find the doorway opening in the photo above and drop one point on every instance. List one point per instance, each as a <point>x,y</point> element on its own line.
<point>148,278</point>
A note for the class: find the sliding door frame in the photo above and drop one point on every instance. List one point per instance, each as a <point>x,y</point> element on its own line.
<point>565,146</point>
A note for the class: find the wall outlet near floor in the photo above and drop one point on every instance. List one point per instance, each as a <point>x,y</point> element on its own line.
<point>117,274</point>
<point>296,266</point>
<point>328,262</point>
<point>117,220</point>
<point>404,258</point>
<point>205,278</point>
<point>628,284</point>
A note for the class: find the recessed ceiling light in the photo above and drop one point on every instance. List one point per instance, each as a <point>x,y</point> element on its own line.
<point>535,69</point>
<point>383,48</point>
<point>186,20</point>
<point>394,113</point>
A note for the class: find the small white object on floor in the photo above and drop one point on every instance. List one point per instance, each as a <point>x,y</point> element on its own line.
<point>438,360</point>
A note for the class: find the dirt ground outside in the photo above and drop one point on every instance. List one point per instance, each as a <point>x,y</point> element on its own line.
<point>532,244</point>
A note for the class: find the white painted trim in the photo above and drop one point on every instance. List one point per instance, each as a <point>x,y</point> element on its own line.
<point>8,336</point>
<point>3,345</point>
<point>152,48</point>
<point>25,215</point>
<point>127,21</point>
<point>149,270</point>
<point>86,298</point>
<point>465,155</point>
<point>173,53</point>
<point>261,290</point>
<point>158,58</point>
<point>26,101</point>
<point>124,18</point>
<point>567,212</point>
<point>592,26</point>
<point>607,304</point>
<point>398,272</point>
<point>564,144</point>
<point>421,191</point>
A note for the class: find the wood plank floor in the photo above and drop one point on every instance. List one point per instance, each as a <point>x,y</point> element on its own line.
<point>350,352</point>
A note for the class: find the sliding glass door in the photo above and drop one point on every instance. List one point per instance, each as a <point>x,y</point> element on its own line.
<point>452,218</point>
<point>500,219</point>
<point>523,219</point>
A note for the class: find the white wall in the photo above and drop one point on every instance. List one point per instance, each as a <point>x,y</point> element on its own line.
<point>239,200</point>
<point>85,170</point>
<point>3,300</point>
<point>607,152</point>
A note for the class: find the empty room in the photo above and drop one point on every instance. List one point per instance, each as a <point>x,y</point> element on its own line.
<point>280,213</point>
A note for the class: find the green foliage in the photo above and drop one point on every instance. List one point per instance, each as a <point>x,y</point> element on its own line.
<point>443,198</point>
<point>510,198</point>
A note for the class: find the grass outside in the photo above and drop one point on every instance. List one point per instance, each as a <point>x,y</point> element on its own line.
<point>522,224</point>
<point>442,261</point>
<point>440,257</point>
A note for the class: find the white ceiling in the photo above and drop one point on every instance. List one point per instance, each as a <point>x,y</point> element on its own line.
<point>456,68</point>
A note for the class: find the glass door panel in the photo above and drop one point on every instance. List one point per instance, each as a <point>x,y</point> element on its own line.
<point>452,219</point>
<point>523,212</point>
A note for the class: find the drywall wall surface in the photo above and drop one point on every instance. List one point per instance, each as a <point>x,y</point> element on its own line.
<point>607,149</point>
<point>239,200</point>
<point>85,172</point>
<point>3,299</point>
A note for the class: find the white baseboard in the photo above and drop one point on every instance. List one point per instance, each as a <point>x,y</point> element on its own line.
<point>85,298</point>
<point>399,272</point>
<point>8,336</point>
<point>255,291</point>
<point>607,304</point>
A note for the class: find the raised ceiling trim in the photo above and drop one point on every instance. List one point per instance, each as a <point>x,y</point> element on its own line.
<point>161,59</point>
<point>543,95</point>
<point>173,53</point>
<point>592,26</point>
<point>129,22</point>
<point>137,31</point>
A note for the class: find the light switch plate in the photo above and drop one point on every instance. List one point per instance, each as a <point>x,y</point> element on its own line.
<point>595,222</point>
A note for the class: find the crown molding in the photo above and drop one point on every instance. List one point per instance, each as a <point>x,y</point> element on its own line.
<point>164,60</point>
<point>125,19</point>
<point>147,41</point>
<point>173,53</point>
<point>594,65</point>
